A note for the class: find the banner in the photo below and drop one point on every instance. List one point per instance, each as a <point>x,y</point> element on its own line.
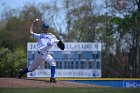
<point>131,83</point>
<point>66,73</point>
<point>69,46</point>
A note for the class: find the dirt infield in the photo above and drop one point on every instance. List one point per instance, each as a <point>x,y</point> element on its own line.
<point>24,83</point>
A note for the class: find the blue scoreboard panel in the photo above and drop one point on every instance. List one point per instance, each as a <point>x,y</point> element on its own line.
<point>77,60</point>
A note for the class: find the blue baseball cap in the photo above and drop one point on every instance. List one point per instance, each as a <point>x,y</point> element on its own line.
<point>45,25</point>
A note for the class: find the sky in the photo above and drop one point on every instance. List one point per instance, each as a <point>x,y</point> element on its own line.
<point>19,3</point>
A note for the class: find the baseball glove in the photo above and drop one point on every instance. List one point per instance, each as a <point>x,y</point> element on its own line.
<point>61,45</point>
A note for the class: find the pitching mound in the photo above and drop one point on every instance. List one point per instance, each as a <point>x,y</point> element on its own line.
<point>23,83</point>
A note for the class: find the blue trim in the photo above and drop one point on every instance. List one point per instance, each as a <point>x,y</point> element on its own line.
<point>52,71</point>
<point>112,83</point>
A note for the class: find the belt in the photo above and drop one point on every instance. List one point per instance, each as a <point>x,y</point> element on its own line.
<point>40,53</point>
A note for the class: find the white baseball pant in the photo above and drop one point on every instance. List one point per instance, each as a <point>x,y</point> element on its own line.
<point>38,58</point>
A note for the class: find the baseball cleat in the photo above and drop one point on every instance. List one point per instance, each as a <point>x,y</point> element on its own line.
<point>53,80</point>
<point>19,74</point>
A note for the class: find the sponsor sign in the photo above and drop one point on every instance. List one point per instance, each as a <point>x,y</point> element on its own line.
<point>131,83</point>
<point>66,73</point>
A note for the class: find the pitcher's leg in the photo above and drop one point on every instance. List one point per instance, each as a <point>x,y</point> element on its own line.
<point>22,72</point>
<point>52,71</point>
<point>49,59</point>
<point>32,67</point>
<point>52,63</point>
<point>36,62</point>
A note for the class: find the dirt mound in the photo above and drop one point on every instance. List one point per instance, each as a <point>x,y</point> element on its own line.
<point>24,83</point>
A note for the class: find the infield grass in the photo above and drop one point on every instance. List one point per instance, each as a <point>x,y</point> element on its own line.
<point>70,90</point>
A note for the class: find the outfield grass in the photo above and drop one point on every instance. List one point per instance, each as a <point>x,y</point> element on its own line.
<point>70,90</point>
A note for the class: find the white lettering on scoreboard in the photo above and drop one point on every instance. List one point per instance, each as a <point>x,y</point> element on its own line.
<point>69,46</point>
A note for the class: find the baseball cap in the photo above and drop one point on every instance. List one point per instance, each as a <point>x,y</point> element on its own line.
<point>45,25</point>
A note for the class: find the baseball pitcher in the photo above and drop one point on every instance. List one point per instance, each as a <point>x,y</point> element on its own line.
<point>45,42</point>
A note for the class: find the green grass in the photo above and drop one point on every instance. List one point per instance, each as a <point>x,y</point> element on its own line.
<point>70,90</point>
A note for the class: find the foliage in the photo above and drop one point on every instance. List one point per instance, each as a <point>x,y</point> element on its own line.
<point>11,62</point>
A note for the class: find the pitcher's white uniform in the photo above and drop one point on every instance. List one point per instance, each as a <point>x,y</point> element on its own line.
<point>45,42</point>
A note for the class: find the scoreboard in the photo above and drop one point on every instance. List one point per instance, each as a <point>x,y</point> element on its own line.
<point>76,61</point>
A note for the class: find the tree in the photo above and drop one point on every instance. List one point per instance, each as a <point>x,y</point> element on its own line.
<point>11,62</point>
<point>80,21</point>
<point>16,28</point>
<point>126,28</point>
